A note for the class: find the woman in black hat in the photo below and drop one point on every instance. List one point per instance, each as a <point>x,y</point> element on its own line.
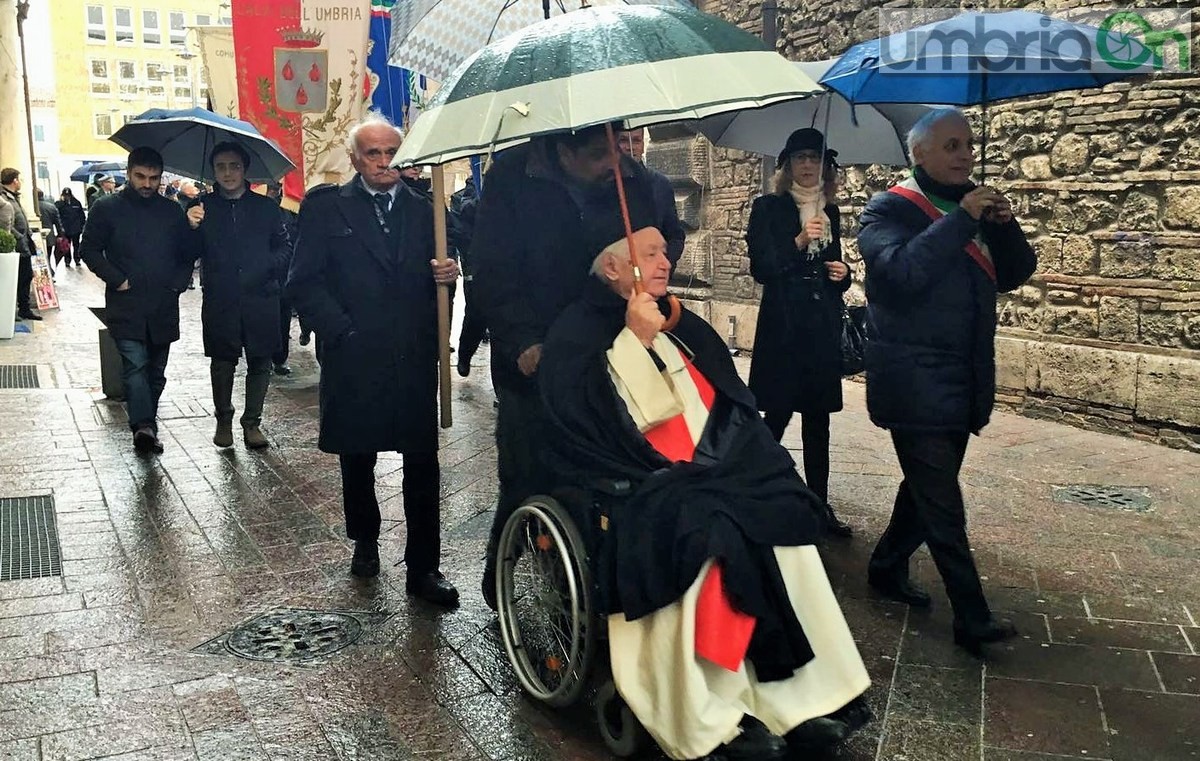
<point>794,240</point>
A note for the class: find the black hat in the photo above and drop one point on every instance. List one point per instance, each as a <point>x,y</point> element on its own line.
<point>804,139</point>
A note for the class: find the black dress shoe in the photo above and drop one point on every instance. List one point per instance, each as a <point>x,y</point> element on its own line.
<point>972,637</point>
<point>489,586</point>
<point>29,316</point>
<point>282,369</point>
<point>755,743</point>
<point>816,734</point>
<point>834,525</point>
<point>433,588</point>
<point>365,563</point>
<point>144,440</point>
<point>900,590</point>
<point>463,365</point>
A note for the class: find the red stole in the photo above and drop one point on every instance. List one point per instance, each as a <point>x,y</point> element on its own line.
<point>924,204</point>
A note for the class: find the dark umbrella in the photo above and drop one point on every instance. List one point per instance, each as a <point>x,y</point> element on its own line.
<point>84,172</point>
<point>186,137</point>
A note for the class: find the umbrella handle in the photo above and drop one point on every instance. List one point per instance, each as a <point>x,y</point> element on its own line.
<point>615,154</point>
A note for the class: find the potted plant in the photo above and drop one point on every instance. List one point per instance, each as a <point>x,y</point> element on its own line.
<point>8,242</point>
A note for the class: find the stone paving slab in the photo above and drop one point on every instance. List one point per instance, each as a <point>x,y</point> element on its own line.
<point>162,555</point>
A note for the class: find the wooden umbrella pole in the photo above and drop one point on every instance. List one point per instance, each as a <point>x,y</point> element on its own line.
<point>443,294</point>
<point>615,152</point>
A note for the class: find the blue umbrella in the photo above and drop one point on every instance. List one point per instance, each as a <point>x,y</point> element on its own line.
<point>976,58</point>
<point>186,137</point>
<point>84,172</point>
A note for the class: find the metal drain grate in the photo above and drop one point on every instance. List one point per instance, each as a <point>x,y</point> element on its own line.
<point>28,538</point>
<point>290,635</point>
<point>19,376</point>
<point>1098,495</point>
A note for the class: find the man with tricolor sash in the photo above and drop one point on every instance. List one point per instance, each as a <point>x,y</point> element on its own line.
<point>937,250</point>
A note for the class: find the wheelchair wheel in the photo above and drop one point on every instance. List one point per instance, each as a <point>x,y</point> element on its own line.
<point>545,601</point>
<point>623,734</point>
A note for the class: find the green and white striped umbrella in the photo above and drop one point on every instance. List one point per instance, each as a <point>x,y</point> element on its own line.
<point>637,64</point>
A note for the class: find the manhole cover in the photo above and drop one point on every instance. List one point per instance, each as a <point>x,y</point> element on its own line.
<point>1112,497</point>
<point>28,538</point>
<point>18,376</point>
<point>293,635</point>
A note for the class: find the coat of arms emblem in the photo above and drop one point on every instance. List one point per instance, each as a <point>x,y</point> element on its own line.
<point>301,73</point>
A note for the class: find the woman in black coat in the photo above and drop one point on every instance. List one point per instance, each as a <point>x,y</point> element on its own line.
<point>794,241</point>
<point>71,218</point>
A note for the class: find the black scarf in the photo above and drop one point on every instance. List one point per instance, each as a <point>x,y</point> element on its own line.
<point>932,187</point>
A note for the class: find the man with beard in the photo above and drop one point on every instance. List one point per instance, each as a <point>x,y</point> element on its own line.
<point>632,143</point>
<point>243,252</point>
<point>142,246</point>
<point>530,252</point>
<point>724,634</point>
<point>364,278</point>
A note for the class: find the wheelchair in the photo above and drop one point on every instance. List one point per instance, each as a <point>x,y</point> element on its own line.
<point>548,607</point>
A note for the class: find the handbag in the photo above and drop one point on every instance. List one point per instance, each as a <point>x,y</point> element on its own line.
<point>62,246</point>
<point>854,338</point>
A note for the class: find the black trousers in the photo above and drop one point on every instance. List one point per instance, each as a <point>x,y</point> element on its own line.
<point>24,282</point>
<point>929,509</point>
<point>520,426</point>
<point>814,435</point>
<point>75,241</point>
<point>473,327</point>
<point>285,331</point>
<point>422,513</point>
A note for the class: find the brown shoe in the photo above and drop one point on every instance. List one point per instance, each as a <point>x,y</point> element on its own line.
<point>254,438</point>
<point>224,435</point>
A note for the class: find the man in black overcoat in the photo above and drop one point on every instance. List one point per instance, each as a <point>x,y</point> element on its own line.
<point>363,277</point>
<point>142,246</point>
<point>542,203</point>
<point>244,251</point>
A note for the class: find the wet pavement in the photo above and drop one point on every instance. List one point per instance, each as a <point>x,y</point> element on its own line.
<point>128,654</point>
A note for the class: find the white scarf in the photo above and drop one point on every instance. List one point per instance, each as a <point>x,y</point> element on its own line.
<point>812,202</point>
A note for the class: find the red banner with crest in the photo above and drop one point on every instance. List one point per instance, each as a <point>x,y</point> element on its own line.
<point>261,30</point>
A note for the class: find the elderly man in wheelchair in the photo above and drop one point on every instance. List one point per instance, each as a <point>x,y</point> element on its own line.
<point>691,533</point>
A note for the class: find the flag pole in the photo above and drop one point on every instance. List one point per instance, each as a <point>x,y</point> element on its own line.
<point>443,294</point>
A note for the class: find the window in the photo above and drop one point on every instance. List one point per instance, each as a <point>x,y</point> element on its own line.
<point>151,34</point>
<point>203,20</point>
<point>101,85</point>
<point>156,74</point>
<point>95,24</point>
<point>127,118</point>
<point>39,133</point>
<point>123,24</point>
<point>183,92</point>
<point>178,29</point>
<point>126,70</point>
<point>102,125</point>
<point>181,75</point>
<point>43,173</point>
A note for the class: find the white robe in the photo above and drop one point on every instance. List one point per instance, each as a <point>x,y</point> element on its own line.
<point>689,705</point>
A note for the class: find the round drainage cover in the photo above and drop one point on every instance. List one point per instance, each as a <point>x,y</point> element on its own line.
<point>293,635</point>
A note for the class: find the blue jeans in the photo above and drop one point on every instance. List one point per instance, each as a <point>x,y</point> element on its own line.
<point>143,373</point>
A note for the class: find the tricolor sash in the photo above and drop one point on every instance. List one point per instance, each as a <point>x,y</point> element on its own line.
<point>910,190</point>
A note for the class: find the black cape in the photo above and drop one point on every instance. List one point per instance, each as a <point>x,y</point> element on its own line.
<point>737,499</point>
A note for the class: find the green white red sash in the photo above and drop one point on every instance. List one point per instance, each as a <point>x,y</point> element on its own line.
<point>910,190</point>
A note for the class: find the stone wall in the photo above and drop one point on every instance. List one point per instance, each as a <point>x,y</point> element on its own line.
<point>1107,185</point>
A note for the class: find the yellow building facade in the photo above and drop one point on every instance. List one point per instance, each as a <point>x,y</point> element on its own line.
<point>114,59</point>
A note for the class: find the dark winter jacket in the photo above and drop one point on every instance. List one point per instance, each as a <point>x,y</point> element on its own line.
<point>797,363</point>
<point>534,242</point>
<point>70,214</point>
<point>931,317</point>
<point>148,242</point>
<point>20,224</point>
<point>668,215</point>
<point>50,221</point>
<point>371,299</point>
<point>244,253</point>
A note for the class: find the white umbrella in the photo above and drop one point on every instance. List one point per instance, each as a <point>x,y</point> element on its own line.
<point>862,134</point>
<point>636,64</point>
<point>433,37</point>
